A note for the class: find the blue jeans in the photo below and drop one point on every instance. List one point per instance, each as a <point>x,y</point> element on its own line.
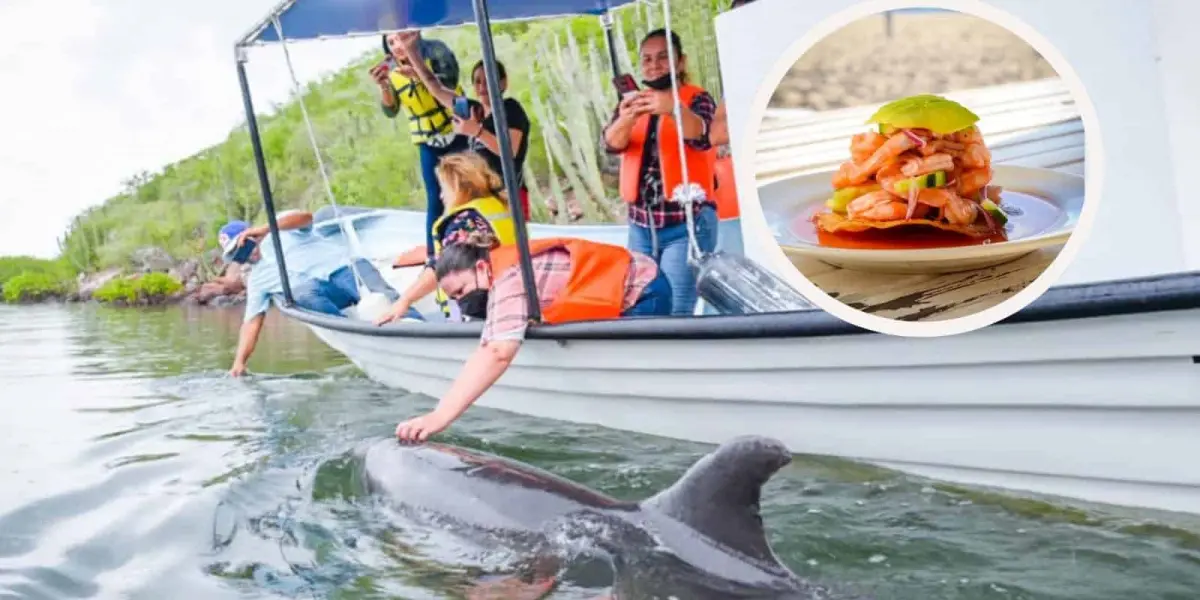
<point>672,255</point>
<point>655,300</point>
<point>340,291</point>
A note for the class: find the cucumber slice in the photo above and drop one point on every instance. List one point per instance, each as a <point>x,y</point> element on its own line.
<point>928,180</point>
<point>996,212</point>
<point>837,203</point>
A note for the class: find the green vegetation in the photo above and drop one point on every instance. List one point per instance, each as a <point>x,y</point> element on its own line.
<point>150,288</point>
<point>558,69</point>
<point>28,279</point>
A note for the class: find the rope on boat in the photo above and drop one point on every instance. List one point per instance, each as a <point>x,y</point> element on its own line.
<point>687,193</point>
<point>312,138</point>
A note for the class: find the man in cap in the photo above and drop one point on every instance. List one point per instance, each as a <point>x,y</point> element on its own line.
<point>318,271</point>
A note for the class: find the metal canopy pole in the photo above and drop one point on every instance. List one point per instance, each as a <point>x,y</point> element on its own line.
<point>264,182</point>
<point>606,21</point>
<point>508,165</point>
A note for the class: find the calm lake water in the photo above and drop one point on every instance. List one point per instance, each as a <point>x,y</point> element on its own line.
<point>132,467</point>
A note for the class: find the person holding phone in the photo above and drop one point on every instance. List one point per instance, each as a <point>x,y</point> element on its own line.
<point>429,123</point>
<point>319,273</point>
<point>474,119</point>
<point>644,133</point>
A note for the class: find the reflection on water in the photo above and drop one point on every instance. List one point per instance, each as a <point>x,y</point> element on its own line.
<point>134,468</point>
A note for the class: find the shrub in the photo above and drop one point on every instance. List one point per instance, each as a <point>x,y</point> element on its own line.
<point>33,286</point>
<point>149,288</point>
<point>117,290</point>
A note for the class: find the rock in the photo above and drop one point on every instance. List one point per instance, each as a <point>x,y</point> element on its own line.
<point>185,271</point>
<point>230,283</point>
<point>88,284</point>
<point>151,259</point>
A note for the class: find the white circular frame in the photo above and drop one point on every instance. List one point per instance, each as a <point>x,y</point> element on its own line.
<point>756,226</point>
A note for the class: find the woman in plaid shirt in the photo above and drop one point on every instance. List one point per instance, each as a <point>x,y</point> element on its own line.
<point>575,280</point>
<point>644,133</point>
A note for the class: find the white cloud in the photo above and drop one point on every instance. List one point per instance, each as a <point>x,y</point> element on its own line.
<point>107,88</point>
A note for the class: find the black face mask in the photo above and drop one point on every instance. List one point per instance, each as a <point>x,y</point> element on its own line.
<point>660,84</point>
<point>474,303</point>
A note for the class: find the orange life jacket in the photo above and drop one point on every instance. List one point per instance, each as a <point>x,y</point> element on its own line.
<point>595,287</point>
<point>699,163</point>
<point>727,201</point>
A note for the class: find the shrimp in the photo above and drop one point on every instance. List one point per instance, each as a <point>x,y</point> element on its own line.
<point>914,167</point>
<point>971,181</point>
<point>889,176</point>
<point>879,205</point>
<point>863,145</point>
<point>942,145</point>
<point>968,136</point>
<point>844,176</point>
<point>976,156</point>
<point>897,144</point>
<point>958,211</point>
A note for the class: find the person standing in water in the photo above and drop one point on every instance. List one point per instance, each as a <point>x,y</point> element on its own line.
<point>644,133</point>
<point>429,123</point>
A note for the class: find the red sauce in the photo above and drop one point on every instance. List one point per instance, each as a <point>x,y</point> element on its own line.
<point>902,238</point>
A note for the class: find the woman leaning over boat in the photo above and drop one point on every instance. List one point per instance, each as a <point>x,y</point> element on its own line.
<point>575,280</point>
<point>644,133</point>
<point>480,127</point>
<point>476,210</point>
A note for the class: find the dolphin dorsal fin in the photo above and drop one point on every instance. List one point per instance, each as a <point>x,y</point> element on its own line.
<point>718,496</point>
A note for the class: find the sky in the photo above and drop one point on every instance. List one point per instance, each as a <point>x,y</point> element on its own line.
<point>98,90</point>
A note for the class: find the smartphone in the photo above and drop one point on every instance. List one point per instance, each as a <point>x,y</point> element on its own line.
<point>625,84</point>
<point>243,252</point>
<point>462,107</point>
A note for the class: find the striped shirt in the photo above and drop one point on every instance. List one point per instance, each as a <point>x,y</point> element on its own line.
<point>508,310</point>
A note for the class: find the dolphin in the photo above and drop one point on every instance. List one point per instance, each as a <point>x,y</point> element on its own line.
<point>700,539</point>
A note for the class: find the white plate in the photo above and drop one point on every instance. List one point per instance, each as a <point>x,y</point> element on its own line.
<point>1043,207</point>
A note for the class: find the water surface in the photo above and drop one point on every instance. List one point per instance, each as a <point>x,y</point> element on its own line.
<point>132,467</point>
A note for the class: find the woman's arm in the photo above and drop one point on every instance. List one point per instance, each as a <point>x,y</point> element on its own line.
<point>425,284</point>
<point>443,94</point>
<point>616,135</point>
<point>695,118</point>
<point>718,133</point>
<point>518,126</point>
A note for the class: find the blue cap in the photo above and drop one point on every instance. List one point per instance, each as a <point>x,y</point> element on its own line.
<point>227,237</point>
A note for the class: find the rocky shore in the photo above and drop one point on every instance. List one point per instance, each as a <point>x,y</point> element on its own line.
<point>926,53</point>
<point>205,281</point>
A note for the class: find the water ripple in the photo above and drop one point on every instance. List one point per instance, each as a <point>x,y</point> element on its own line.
<point>135,468</point>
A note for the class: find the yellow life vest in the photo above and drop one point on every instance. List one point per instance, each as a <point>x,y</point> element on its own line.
<point>428,121</point>
<point>495,212</point>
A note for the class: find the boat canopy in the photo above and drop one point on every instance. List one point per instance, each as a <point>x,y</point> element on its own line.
<point>315,19</point>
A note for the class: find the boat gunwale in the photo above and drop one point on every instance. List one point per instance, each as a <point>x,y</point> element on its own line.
<point>1148,294</point>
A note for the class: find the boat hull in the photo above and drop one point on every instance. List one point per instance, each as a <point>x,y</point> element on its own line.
<point>1053,407</point>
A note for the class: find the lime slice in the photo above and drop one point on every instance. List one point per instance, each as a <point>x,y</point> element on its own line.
<point>925,111</point>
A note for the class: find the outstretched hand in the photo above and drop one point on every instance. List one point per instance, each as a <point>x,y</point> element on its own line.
<point>398,310</point>
<point>420,428</point>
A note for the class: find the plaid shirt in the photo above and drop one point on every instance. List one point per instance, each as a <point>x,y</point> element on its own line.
<point>651,202</point>
<point>508,310</point>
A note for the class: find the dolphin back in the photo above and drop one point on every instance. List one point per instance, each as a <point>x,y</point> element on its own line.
<point>719,496</point>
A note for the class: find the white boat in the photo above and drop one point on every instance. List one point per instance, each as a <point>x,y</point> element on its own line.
<point>1092,392</point>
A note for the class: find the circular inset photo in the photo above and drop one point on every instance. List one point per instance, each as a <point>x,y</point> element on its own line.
<point>923,165</point>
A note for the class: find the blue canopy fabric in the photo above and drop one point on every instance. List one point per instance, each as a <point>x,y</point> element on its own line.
<point>311,19</point>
